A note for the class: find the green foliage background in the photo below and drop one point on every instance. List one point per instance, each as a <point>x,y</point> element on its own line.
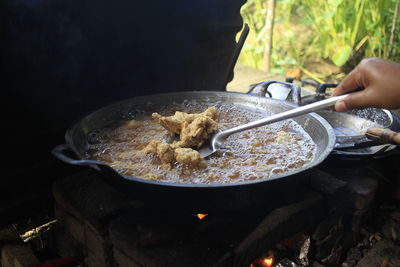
<point>335,32</point>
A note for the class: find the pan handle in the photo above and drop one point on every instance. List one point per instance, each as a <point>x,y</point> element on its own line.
<point>59,153</point>
<point>384,135</point>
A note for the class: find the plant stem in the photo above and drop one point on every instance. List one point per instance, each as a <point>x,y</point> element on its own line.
<point>393,30</point>
<point>269,23</point>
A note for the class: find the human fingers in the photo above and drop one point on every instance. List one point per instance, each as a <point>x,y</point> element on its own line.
<point>353,100</point>
<point>379,77</point>
<point>351,82</point>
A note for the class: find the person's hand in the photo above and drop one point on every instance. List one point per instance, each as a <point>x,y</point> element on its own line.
<point>381,80</point>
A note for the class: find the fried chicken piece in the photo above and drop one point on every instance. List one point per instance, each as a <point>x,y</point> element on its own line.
<point>175,123</point>
<point>151,147</point>
<point>187,156</point>
<point>168,155</point>
<point>192,129</point>
<point>163,150</point>
<point>194,133</point>
<point>171,123</point>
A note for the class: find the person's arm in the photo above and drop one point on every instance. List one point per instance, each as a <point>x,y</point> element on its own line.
<point>381,80</point>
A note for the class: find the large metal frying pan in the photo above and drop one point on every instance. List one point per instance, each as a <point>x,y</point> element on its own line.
<point>77,139</point>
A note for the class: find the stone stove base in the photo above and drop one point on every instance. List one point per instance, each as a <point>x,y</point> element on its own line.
<point>116,230</point>
<point>325,225</point>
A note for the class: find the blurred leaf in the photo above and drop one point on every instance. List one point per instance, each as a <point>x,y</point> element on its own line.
<point>247,47</point>
<point>259,50</point>
<point>286,61</point>
<point>335,2</point>
<point>278,70</point>
<point>328,15</point>
<point>307,21</point>
<point>261,34</point>
<point>342,55</point>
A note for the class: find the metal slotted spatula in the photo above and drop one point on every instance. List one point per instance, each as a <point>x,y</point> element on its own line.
<point>215,142</point>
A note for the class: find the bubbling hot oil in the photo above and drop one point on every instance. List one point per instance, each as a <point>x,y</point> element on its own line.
<point>249,155</point>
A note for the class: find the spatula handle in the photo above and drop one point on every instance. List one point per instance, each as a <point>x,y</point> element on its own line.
<point>285,115</point>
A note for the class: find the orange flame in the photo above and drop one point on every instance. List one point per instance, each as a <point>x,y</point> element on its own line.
<point>267,262</point>
<point>200,216</point>
<point>263,262</point>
